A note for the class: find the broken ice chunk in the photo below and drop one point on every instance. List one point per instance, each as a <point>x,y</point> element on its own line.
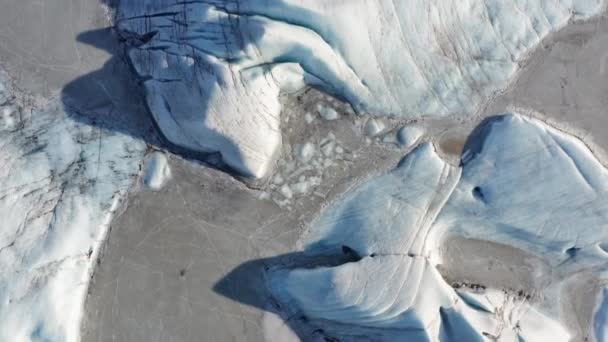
<point>327,113</point>
<point>408,135</point>
<point>305,152</point>
<point>157,171</point>
<point>373,127</point>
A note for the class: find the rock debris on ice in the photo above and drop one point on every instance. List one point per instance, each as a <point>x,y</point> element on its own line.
<point>305,152</point>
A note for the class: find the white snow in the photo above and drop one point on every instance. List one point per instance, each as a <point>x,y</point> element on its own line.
<point>409,58</point>
<point>521,184</point>
<point>156,171</point>
<point>286,191</point>
<point>60,182</point>
<point>276,329</point>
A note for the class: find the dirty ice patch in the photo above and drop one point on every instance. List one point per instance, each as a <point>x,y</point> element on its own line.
<point>60,183</point>
<point>156,171</point>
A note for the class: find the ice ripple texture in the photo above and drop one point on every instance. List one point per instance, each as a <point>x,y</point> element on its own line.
<point>520,184</point>
<point>213,69</point>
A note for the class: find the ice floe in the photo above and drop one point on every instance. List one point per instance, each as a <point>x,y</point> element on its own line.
<point>521,183</point>
<point>213,70</point>
<point>156,170</point>
<point>60,183</point>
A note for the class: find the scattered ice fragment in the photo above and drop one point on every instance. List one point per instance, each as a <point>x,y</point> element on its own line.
<point>264,195</point>
<point>286,191</point>
<point>327,113</point>
<point>156,171</point>
<point>304,186</point>
<point>163,62</point>
<point>305,152</point>
<point>308,118</point>
<point>373,127</point>
<point>327,147</point>
<point>278,180</point>
<point>408,135</point>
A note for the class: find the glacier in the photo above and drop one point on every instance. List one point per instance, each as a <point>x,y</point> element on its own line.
<point>213,70</point>
<point>60,183</point>
<point>520,183</point>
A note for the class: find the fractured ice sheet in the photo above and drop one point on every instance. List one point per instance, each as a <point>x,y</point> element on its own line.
<point>60,182</point>
<point>520,183</point>
<point>213,69</point>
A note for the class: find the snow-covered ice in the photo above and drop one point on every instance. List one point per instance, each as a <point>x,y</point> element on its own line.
<point>521,183</point>
<point>156,170</point>
<point>213,70</point>
<point>60,183</point>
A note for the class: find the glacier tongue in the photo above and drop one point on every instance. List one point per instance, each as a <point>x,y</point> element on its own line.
<point>213,69</point>
<point>521,183</point>
<point>60,183</point>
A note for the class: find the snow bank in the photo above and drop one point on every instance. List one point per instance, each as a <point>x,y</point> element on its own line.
<point>213,69</point>
<point>60,182</point>
<point>521,184</point>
